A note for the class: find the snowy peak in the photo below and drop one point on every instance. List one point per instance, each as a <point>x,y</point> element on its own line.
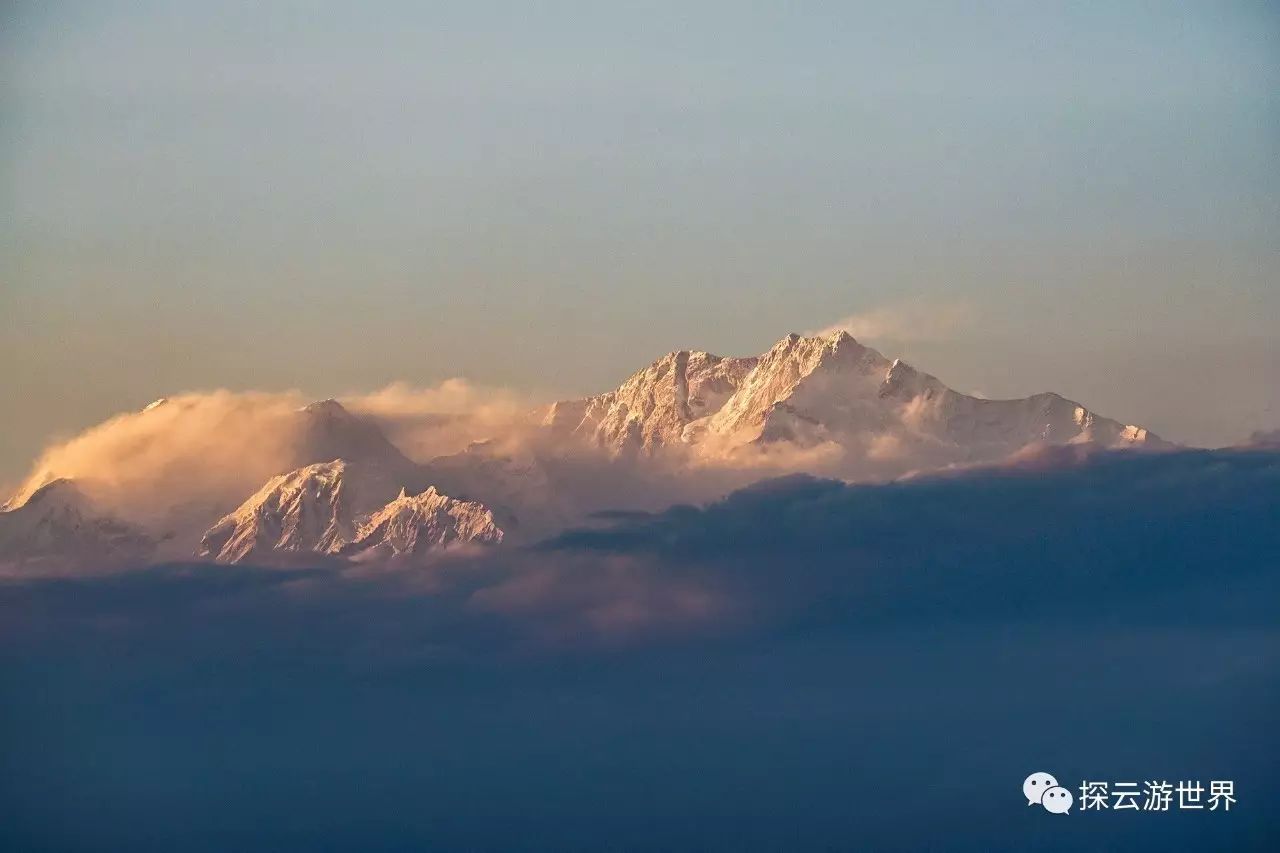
<point>988,428</point>
<point>824,389</point>
<point>902,381</point>
<point>653,406</point>
<point>412,525</point>
<point>339,507</point>
<point>303,511</point>
<point>60,495</point>
<point>798,358</point>
<point>346,468</point>
<point>58,522</point>
<point>328,431</point>
<point>801,383</point>
<point>328,408</point>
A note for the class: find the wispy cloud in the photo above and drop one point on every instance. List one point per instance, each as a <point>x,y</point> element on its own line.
<point>915,320</point>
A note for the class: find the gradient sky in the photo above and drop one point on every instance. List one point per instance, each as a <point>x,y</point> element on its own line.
<point>548,196</point>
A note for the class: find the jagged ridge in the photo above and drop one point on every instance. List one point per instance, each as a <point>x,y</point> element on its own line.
<point>807,390</point>
<point>654,406</point>
<point>415,524</point>
<point>336,508</point>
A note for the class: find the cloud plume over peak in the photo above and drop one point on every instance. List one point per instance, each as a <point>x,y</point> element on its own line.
<point>906,321</point>
<point>431,421</point>
<point>194,446</point>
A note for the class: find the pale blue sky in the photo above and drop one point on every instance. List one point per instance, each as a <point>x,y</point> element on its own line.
<point>549,195</point>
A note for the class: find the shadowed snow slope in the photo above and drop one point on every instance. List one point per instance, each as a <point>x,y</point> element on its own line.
<point>57,523</point>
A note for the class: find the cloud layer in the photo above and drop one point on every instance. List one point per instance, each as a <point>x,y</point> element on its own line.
<point>801,663</point>
<point>1057,531</point>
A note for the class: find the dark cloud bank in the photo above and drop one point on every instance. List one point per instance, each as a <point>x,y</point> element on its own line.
<point>804,665</point>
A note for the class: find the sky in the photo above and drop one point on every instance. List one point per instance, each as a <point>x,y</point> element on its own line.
<point>331,197</point>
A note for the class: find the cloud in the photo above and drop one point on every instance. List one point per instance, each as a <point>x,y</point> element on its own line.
<point>1187,536</point>
<point>906,321</point>
<point>206,448</point>
<point>824,625</point>
<point>177,466</point>
<point>569,598</point>
<point>1054,529</point>
<point>1184,536</point>
<point>425,422</point>
<point>1265,438</point>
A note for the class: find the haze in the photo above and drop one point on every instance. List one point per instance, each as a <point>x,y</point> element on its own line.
<point>333,197</point>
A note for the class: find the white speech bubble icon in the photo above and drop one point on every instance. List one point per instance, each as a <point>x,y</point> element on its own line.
<point>1034,786</point>
<point>1057,800</point>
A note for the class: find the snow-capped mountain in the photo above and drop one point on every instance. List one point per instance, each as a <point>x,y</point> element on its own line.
<point>341,507</point>
<point>344,467</point>
<point>323,507</point>
<point>308,510</point>
<point>995,427</point>
<point>688,427</point>
<point>59,523</point>
<point>412,525</point>
<point>327,431</point>
<point>652,408</point>
<point>807,391</point>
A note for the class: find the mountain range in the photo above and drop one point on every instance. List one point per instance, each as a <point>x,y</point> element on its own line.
<point>809,390</point>
<point>347,492</point>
